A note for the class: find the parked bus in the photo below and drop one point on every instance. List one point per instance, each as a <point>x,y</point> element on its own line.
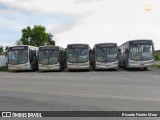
<point>136,54</point>
<point>51,58</point>
<point>22,57</point>
<point>78,56</point>
<point>105,56</point>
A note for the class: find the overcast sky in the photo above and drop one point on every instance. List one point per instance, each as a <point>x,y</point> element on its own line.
<point>82,21</point>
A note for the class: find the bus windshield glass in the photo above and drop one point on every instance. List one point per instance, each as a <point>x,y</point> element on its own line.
<point>19,56</point>
<point>141,52</point>
<point>106,54</point>
<point>48,57</point>
<point>78,55</point>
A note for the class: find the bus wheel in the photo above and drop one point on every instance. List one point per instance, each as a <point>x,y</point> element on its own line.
<point>145,68</point>
<point>116,69</point>
<point>124,65</point>
<point>87,70</point>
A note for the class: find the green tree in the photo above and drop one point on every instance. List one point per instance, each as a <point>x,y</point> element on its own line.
<point>157,56</point>
<point>50,40</point>
<point>19,42</point>
<point>6,50</point>
<point>1,50</point>
<point>35,37</point>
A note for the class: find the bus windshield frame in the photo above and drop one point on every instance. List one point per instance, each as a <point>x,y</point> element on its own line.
<point>106,53</point>
<point>78,53</point>
<point>18,55</point>
<point>49,55</point>
<point>141,52</point>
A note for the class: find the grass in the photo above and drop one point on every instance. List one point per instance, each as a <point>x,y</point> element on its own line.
<point>157,66</point>
<point>3,68</point>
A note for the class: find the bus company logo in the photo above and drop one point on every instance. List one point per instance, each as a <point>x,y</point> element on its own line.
<point>6,114</point>
<point>148,8</point>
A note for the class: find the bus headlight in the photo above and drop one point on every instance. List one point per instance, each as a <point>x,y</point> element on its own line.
<point>85,64</point>
<point>151,62</point>
<point>69,63</point>
<point>99,63</point>
<point>132,62</point>
<point>56,65</point>
<point>116,63</point>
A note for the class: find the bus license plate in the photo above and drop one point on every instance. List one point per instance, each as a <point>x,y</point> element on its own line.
<point>141,65</point>
<point>49,68</point>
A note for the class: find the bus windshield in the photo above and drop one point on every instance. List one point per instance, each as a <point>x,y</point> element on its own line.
<point>141,52</point>
<point>106,54</point>
<point>18,56</point>
<point>48,57</point>
<point>78,55</point>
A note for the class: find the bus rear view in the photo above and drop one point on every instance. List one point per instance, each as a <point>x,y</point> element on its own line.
<point>51,58</point>
<point>105,56</point>
<point>78,56</point>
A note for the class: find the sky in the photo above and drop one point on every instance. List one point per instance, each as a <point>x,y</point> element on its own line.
<point>82,21</point>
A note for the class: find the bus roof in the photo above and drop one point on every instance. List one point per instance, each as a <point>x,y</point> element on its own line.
<point>22,46</point>
<point>50,47</point>
<point>149,40</point>
<point>139,41</point>
<point>105,44</point>
<point>78,45</point>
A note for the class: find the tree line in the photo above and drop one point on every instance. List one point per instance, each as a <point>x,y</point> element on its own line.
<point>36,36</point>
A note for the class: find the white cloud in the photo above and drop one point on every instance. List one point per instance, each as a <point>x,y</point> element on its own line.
<point>48,6</point>
<point>93,21</point>
<point>115,22</point>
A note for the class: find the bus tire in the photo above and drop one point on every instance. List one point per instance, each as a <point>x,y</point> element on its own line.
<point>124,65</point>
<point>146,68</point>
<point>116,69</point>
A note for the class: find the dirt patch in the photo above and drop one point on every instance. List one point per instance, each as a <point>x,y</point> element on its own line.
<point>157,62</point>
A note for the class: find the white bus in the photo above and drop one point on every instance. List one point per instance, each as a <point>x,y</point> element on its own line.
<point>136,54</point>
<point>105,56</point>
<point>51,58</point>
<point>78,56</point>
<point>22,57</point>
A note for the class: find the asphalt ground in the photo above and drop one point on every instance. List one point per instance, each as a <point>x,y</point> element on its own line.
<point>122,90</point>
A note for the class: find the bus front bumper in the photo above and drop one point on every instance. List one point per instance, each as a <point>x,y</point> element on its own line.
<point>19,67</point>
<point>140,64</point>
<point>113,65</point>
<point>48,67</point>
<point>77,66</point>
